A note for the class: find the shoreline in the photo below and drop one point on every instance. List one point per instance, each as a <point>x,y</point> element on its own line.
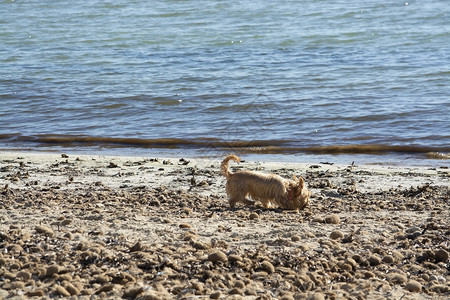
<point>124,226</point>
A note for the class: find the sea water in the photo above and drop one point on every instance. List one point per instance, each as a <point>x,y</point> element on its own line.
<point>207,76</point>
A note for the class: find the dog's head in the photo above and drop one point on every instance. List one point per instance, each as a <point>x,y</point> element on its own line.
<point>298,194</point>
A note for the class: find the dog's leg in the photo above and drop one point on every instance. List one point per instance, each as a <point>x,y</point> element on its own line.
<point>248,201</point>
<point>232,201</point>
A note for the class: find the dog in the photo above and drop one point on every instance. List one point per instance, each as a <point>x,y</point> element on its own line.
<point>269,189</point>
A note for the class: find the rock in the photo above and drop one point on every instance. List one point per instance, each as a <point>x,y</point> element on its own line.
<point>62,291</point>
<point>36,293</point>
<point>335,235</point>
<point>136,247</point>
<point>236,291</point>
<point>316,296</point>
<point>332,219</point>
<point>253,216</point>
<point>440,288</point>
<point>132,292</point>
<point>185,225</point>
<point>413,286</point>
<point>217,256</point>
<point>23,275</point>
<point>374,260</point>
<point>441,255</point>
<point>106,288</point>
<point>396,278</point>
<point>215,295</point>
<point>413,229</point>
<point>234,258</point>
<point>388,259</point>
<point>296,238</point>
<point>102,279</point>
<point>239,284</point>
<point>14,285</point>
<point>268,267</point>
<point>51,270</point>
<point>44,230</point>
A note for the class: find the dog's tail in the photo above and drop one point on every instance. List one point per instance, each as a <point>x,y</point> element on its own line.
<point>224,166</point>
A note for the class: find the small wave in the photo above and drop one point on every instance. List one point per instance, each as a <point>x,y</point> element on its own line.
<point>219,145</point>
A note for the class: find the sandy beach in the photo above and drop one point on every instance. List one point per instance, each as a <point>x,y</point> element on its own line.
<point>93,227</point>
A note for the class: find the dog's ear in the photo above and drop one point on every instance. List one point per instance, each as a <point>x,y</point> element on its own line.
<point>301,182</point>
<point>294,177</point>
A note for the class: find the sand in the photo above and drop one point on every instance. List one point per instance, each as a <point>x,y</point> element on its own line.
<point>92,227</point>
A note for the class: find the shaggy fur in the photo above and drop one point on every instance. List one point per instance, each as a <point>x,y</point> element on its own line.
<point>269,189</point>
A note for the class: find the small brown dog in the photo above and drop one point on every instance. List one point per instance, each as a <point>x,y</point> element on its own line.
<point>267,188</point>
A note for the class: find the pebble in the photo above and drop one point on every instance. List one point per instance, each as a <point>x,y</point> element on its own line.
<point>136,247</point>
<point>316,296</point>
<point>396,278</point>
<point>374,260</point>
<point>23,275</point>
<point>441,255</point>
<point>36,293</point>
<point>51,270</point>
<point>268,267</point>
<point>215,295</point>
<point>332,219</point>
<point>45,230</point>
<point>239,284</point>
<point>413,286</point>
<point>132,292</point>
<point>388,259</point>
<point>335,235</point>
<point>71,289</point>
<point>234,257</point>
<point>217,256</point>
<point>62,291</point>
<point>185,225</point>
<point>253,216</point>
<point>296,238</point>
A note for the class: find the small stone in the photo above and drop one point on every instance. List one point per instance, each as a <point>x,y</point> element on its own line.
<point>441,255</point>
<point>335,235</point>
<point>388,259</point>
<point>102,279</point>
<point>14,285</point>
<point>62,291</point>
<point>396,278</point>
<point>36,293</point>
<point>374,260</point>
<point>217,256</point>
<point>413,286</point>
<point>296,238</point>
<point>106,288</point>
<point>234,258</point>
<point>239,284</point>
<point>185,225</point>
<point>236,291</point>
<point>413,229</point>
<point>71,289</point>
<point>215,295</point>
<point>332,219</point>
<point>23,275</point>
<point>136,247</point>
<point>316,296</point>
<point>51,270</point>
<point>267,266</point>
<point>253,216</point>
<point>45,230</point>
<point>132,292</point>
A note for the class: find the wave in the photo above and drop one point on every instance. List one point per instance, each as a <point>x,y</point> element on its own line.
<point>218,145</point>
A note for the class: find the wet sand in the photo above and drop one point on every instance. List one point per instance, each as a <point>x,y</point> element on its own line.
<point>146,228</point>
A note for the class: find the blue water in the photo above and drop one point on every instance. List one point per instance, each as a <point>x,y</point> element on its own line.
<point>294,74</point>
